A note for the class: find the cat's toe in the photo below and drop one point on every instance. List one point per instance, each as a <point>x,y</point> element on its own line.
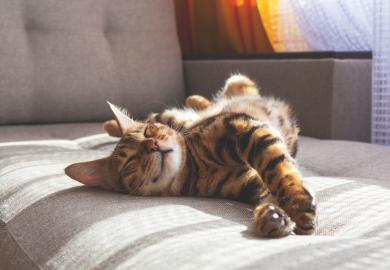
<point>305,223</point>
<point>304,214</point>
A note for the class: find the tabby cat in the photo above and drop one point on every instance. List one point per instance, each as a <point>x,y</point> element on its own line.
<point>239,146</point>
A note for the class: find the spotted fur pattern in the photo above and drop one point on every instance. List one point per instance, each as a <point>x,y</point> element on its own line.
<point>240,146</point>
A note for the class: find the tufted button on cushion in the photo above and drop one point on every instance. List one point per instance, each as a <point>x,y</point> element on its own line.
<point>60,60</point>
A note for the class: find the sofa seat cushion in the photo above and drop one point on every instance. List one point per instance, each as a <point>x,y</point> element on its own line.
<point>48,221</point>
<point>12,133</point>
<point>346,159</point>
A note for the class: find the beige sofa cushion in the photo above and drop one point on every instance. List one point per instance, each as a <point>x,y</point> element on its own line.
<point>48,221</point>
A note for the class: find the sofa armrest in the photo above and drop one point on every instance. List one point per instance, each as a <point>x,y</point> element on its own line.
<point>331,97</point>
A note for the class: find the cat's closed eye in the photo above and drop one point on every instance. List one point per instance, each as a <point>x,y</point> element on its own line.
<point>150,131</point>
<point>147,133</point>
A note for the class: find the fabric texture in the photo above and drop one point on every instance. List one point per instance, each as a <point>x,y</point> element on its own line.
<point>345,25</point>
<point>61,60</point>
<point>48,131</point>
<point>48,221</point>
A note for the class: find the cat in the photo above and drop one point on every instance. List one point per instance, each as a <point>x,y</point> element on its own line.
<point>239,146</point>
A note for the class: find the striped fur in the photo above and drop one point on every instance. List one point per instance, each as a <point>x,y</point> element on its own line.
<point>239,95</point>
<point>239,146</point>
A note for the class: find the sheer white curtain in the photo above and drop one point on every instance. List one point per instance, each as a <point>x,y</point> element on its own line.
<point>336,25</point>
<point>381,74</point>
<point>293,39</point>
<point>352,25</point>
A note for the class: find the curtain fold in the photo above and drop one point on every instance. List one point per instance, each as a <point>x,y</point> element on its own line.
<point>270,16</point>
<point>185,24</point>
<point>278,18</point>
<point>220,26</point>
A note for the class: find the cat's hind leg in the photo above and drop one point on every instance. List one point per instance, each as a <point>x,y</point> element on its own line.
<point>236,85</point>
<point>239,85</point>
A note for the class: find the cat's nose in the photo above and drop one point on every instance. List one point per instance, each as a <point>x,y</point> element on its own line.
<point>151,146</point>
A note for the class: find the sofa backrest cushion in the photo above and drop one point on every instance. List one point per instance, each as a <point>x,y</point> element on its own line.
<point>60,60</point>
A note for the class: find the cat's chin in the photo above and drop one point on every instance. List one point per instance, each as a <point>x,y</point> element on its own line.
<point>171,161</point>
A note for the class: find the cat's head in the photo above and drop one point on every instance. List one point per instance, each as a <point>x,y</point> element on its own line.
<point>145,161</point>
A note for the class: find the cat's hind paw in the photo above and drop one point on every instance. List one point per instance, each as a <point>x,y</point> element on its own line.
<point>272,222</point>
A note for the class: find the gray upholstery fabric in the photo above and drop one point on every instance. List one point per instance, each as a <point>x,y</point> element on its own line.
<point>48,131</point>
<point>48,221</point>
<point>60,60</point>
<point>351,105</point>
<point>331,97</point>
<point>346,159</point>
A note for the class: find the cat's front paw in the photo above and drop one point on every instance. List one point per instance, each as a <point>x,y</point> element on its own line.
<point>112,128</point>
<point>272,221</point>
<point>198,103</point>
<point>301,207</point>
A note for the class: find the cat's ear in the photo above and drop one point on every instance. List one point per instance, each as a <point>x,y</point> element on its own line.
<point>90,173</point>
<point>122,117</point>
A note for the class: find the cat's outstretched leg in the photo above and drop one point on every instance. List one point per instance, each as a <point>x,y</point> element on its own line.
<point>269,219</point>
<point>269,156</point>
<point>262,147</point>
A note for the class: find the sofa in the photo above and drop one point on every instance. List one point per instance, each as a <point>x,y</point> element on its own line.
<point>60,61</point>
